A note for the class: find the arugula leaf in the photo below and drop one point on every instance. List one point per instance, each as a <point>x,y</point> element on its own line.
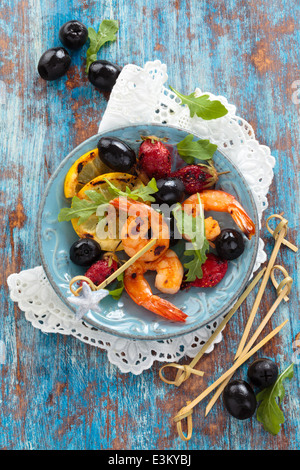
<point>194,266</point>
<point>190,149</point>
<point>269,412</point>
<point>202,106</point>
<point>117,292</point>
<point>107,32</point>
<point>143,192</point>
<point>82,208</point>
<point>194,229</point>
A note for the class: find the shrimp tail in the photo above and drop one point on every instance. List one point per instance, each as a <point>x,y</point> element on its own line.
<point>242,219</point>
<point>164,308</point>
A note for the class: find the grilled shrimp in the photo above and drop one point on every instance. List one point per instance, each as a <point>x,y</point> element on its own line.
<point>142,221</point>
<point>168,280</point>
<point>220,201</point>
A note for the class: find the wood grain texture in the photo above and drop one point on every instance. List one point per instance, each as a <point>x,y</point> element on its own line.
<point>56,392</point>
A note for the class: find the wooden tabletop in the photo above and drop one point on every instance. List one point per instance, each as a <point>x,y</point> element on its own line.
<point>56,391</point>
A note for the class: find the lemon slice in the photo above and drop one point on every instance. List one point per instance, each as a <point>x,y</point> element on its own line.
<point>85,169</point>
<point>88,229</point>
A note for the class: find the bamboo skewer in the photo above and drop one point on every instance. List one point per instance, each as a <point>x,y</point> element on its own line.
<point>113,276</point>
<point>187,410</point>
<point>275,234</point>
<point>184,371</point>
<point>285,287</point>
<point>244,353</point>
<point>279,234</point>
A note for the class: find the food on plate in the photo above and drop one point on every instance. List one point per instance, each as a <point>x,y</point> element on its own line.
<point>168,279</point>
<point>85,251</point>
<point>111,210</point>
<point>170,191</point>
<point>229,244</point>
<point>154,158</point>
<point>213,271</point>
<point>73,34</point>
<point>239,399</point>
<point>85,169</point>
<point>195,178</point>
<point>220,201</point>
<point>54,63</point>
<point>102,269</point>
<point>263,372</point>
<point>212,229</point>
<point>141,222</point>
<point>116,154</point>
<point>103,74</point>
<point>99,189</point>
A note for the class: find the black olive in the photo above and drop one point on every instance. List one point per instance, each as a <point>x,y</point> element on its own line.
<point>103,74</point>
<point>85,252</point>
<point>229,244</point>
<point>263,372</point>
<point>73,34</point>
<point>239,399</point>
<point>54,63</point>
<point>116,154</point>
<point>170,191</point>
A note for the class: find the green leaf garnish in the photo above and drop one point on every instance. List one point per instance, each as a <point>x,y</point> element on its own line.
<point>96,204</point>
<point>202,106</point>
<point>82,208</point>
<point>143,192</point>
<point>268,411</point>
<point>117,292</point>
<point>107,32</point>
<point>194,229</point>
<point>190,149</point>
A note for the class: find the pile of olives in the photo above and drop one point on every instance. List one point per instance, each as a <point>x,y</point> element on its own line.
<point>55,62</point>
<point>239,397</point>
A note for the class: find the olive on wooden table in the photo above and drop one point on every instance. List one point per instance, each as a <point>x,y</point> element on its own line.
<point>73,34</point>
<point>54,63</point>
<point>103,74</point>
<point>263,372</point>
<point>239,399</point>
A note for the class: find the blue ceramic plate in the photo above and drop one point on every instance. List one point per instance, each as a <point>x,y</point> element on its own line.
<point>124,318</point>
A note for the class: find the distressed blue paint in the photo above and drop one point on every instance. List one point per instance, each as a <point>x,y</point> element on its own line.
<point>56,392</point>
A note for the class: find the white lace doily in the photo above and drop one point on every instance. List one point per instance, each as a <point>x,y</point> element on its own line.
<point>139,97</point>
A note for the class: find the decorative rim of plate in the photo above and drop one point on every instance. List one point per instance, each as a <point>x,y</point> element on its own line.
<point>127,335</point>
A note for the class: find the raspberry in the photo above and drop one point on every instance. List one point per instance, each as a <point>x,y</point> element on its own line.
<point>101,270</point>
<point>154,158</point>
<point>214,269</point>
<point>196,177</point>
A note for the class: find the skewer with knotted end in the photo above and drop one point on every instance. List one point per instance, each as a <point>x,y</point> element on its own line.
<point>282,289</point>
<point>186,411</point>
<point>185,370</point>
<point>113,276</point>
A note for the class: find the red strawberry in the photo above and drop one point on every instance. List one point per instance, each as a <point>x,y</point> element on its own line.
<point>214,269</point>
<point>154,158</point>
<point>102,269</point>
<point>197,177</point>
